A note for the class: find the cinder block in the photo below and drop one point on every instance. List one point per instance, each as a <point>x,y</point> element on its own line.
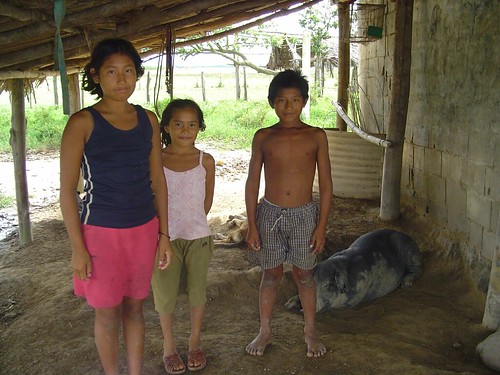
<point>457,143</point>
<point>420,135</point>
<point>495,216</point>
<point>407,155</point>
<point>492,183</point>
<point>479,208</point>
<point>452,167</point>
<point>474,176</point>
<point>420,183</point>
<point>482,148</point>
<point>437,210</point>
<point>456,206</point>
<point>432,162</point>
<point>475,235</point>
<point>437,190</point>
<point>489,244</point>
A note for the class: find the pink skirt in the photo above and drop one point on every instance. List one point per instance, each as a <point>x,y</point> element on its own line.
<point>122,263</point>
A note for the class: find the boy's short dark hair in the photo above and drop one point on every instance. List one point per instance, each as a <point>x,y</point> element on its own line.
<point>100,53</point>
<point>289,78</point>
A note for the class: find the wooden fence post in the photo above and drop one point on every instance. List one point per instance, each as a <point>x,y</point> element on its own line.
<point>18,144</point>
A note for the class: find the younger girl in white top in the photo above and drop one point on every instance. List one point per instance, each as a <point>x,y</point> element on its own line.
<point>190,175</point>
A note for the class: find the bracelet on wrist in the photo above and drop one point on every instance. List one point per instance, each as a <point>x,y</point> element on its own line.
<point>163,234</point>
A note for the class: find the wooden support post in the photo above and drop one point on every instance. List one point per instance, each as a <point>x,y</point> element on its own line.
<point>245,88</point>
<point>56,93</point>
<point>237,79</point>
<point>148,82</point>
<point>74,94</point>
<point>393,160</point>
<point>18,144</point>
<point>203,95</point>
<point>344,60</point>
<point>306,68</point>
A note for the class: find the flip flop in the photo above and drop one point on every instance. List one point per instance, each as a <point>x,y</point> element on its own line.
<point>171,362</point>
<point>197,356</point>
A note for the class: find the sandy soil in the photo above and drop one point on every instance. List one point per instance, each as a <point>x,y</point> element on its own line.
<point>430,328</point>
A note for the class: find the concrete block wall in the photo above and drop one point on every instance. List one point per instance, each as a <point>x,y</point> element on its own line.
<point>451,162</point>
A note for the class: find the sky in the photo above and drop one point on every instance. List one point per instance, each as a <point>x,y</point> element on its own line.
<point>260,56</point>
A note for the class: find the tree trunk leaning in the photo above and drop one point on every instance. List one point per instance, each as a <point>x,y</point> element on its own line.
<point>18,144</point>
<point>390,208</point>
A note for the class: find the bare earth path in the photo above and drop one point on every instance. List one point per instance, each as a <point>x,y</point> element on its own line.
<point>431,328</point>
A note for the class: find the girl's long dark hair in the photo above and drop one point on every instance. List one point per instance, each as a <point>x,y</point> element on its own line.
<point>100,53</point>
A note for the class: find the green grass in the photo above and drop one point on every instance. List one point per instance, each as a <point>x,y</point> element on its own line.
<point>230,123</point>
<point>6,201</point>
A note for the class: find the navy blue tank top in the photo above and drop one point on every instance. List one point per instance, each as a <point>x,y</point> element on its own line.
<point>115,168</point>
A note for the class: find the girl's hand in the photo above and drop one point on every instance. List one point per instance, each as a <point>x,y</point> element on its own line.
<point>165,252</point>
<point>81,264</point>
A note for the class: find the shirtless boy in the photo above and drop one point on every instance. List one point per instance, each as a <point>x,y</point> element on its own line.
<point>285,226</point>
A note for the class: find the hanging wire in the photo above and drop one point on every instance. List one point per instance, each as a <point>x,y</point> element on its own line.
<point>159,68</point>
<point>170,53</point>
<point>167,52</point>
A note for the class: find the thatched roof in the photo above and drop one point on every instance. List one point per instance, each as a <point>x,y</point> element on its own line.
<point>28,28</point>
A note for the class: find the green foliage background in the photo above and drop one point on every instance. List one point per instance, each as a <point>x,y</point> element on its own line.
<point>230,123</point>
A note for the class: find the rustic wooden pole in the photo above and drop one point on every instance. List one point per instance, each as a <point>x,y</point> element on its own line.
<point>245,88</point>
<point>74,94</point>
<point>344,60</point>
<point>18,144</point>
<point>148,83</point>
<point>203,87</point>
<point>391,176</point>
<point>56,94</point>
<point>237,80</point>
<point>306,68</point>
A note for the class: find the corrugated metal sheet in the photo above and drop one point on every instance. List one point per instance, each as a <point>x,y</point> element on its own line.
<point>356,166</point>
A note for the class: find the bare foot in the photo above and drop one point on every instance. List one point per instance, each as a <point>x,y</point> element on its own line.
<point>259,344</point>
<point>315,348</point>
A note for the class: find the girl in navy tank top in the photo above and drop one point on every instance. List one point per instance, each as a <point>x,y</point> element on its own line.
<point>115,147</point>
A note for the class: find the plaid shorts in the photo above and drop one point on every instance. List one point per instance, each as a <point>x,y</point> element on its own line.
<point>285,235</point>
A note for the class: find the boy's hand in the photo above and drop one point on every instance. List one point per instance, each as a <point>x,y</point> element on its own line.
<point>253,240</point>
<point>318,241</point>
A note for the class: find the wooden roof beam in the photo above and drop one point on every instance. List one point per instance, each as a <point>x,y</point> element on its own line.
<point>43,53</point>
<point>48,27</point>
<point>19,14</point>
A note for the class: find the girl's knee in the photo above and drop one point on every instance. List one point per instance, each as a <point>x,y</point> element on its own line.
<point>133,309</point>
<point>109,318</point>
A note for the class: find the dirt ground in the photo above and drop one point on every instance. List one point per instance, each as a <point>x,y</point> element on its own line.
<point>431,328</point>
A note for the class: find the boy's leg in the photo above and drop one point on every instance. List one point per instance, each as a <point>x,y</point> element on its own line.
<point>267,296</point>
<point>307,294</point>
<point>106,329</point>
<point>133,333</point>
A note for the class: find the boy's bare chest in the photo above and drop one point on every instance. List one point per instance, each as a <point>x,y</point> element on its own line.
<point>288,146</point>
